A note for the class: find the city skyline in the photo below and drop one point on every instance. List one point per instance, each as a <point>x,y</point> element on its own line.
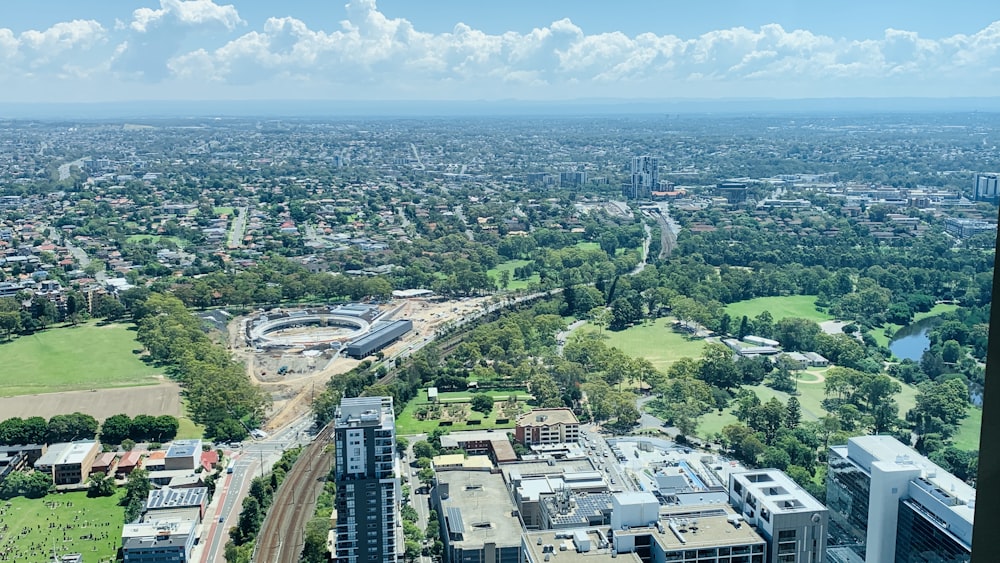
<point>177,50</point>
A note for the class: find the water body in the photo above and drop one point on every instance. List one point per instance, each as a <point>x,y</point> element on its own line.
<point>911,341</point>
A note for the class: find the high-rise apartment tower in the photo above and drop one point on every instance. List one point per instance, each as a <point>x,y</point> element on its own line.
<point>368,490</point>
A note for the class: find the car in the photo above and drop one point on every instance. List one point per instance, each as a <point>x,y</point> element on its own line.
<point>222,518</point>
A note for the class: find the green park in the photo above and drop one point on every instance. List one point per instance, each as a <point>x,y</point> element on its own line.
<point>87,356</point>
<point>799,306</point>
<point>61,523</point>
<point>453,411</point>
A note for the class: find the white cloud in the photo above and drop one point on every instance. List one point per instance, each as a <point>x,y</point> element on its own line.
<point>50,49</point>
<point>185,12</point>
<point>155,36</point>
<point>206,46</point>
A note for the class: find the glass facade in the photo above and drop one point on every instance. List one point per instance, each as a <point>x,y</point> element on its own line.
<point>919,538</point>
<point>847,492</point>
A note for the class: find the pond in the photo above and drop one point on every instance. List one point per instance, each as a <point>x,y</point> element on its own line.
<point>911,341</point>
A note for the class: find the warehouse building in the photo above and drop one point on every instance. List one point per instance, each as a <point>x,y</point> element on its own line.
<point>379,337</point>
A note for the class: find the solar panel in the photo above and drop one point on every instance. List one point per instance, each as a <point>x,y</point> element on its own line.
<point>454,518</point>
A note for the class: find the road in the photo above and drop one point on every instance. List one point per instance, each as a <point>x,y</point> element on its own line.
<point>239,227</point>
<point>84,260</point>
<point>255,459</point>
<point>64,169</point>
<point>421,502</point>
<point>416,155</point>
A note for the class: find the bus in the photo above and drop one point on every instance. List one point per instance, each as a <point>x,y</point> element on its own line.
<point>231,466</point>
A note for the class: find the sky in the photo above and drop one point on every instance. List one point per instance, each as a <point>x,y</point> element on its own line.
<point>63,51</point>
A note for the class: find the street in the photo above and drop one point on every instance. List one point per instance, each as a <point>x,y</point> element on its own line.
<point>409,474</point>
<point>254,459</point>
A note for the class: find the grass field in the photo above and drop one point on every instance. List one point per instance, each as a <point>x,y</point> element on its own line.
<point>509,266</point>
<point>801,306</point>
<point>53,524</point>
<point>408,423</point>
<point>967,437</point>
<point>656,341</point>
<point>879,332</point>
<point>156,238</point>
<point>83,357</point>
<point>223,211</point>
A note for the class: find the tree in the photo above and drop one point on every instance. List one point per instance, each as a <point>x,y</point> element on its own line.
<point>249,522</point>
<point>423,449</point>
<point>793,412</point>
<point>101,485</point>
<point>545,390</point>
<point>776,458</point>
<point>426,476</point>
<point>718,368</point>
<point>69,427</point>
<point>314,549</point>
<point>796,335</point>
<point>10,322</point>
<point>951,351</point>
<point>116,428</point>
<point>768,419</point>
<point>879,392</point>
<point>781,379</point>
<point>165,428</point>
<point>31,485</point>
<point>941,407</point>
<point>482,403</point>
<point>763,324</point>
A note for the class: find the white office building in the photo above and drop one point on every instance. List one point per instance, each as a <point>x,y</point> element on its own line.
<point>889,503</point>
<point>790,519</point>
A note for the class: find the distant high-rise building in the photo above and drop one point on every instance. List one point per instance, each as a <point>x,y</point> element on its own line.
<point>645,178</point>
<point>568,179</point>
<point>368,489</point>
<point>988,187</point>
<point>734,192</point>
<point>889,503</point>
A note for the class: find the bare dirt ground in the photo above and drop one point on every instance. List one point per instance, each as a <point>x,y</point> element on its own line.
<point>292,392</point>
<point>153,400</point>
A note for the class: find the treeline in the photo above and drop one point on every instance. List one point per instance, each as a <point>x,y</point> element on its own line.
<point>275,280</point>
<point>28,313</point>
<point>78,426</point>
<point>239,548</point>
<point>218,392</point>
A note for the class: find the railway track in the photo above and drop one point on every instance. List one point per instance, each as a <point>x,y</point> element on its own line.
<point>282,534</point>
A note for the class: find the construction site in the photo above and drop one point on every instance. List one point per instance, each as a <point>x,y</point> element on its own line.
<point>293,353</point>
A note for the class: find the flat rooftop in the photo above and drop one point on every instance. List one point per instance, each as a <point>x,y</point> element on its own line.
<point>479,508</point>
<point>159,534</point>
<point>778,492</point>
<point>536,543</point>
<point>66,453</point>
<point>698,531</point>
<point>365,411</point>
<point>184,448</point>
<point>456,439</point>
<point>548,467</point>
<point>547,417</point>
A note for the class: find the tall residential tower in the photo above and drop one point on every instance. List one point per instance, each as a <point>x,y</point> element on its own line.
<point>645,178</point>
<point>368,490</point>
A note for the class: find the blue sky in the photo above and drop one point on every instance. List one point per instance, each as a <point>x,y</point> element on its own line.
<point>100,50</point>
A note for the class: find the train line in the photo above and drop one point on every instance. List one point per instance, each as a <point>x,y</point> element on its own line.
<point>282,535</point>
